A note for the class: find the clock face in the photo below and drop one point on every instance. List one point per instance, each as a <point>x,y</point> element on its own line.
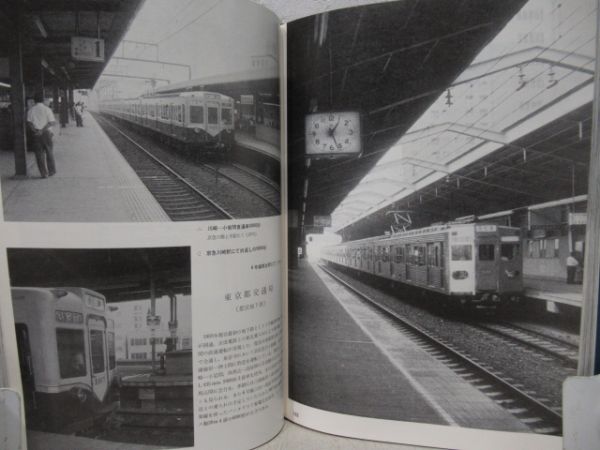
<point>333,133</point>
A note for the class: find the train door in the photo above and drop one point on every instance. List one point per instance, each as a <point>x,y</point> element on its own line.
<point>26,366</point>
<point>98,356</point>
<point>435,264</point>
<point>510,265</point>
<point>407,262</point>
<point>212,118</point>
<point>387,263</point>
<point>399,263</point>
<point>486,264</point>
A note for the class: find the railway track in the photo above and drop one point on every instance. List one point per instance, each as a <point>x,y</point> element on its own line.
<point>537,342</point>
<point>251,181</point>
<point>533,412</point>
<point>181,200</point>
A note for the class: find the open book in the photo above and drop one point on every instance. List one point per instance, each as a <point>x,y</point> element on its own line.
<point>379,222</point>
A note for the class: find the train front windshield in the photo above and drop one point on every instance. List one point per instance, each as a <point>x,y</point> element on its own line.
<point>196,114</point>
<point>508,252</point>
<point>213,116</point>
<point>226,116</point>
<point>71,351</point>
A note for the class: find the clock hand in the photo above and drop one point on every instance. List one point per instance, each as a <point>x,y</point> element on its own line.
<point>334,141</point>
<point>336,125</point>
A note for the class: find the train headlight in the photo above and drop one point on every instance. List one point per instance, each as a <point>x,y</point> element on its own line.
<point>460,274</point>
<point>79,393</point>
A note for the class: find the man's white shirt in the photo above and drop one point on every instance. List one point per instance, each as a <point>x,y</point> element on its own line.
<point>40,115</point>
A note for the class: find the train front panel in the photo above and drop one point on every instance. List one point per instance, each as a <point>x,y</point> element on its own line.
<point>62,342</point>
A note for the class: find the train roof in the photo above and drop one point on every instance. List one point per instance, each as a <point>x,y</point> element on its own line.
<point>442,228</point>
<point>169,95</point>
<point>183,94</point>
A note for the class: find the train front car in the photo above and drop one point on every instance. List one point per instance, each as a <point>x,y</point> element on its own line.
<point>209,126</point>
<point>477,265</point>
<point>197,122</point>
<point>66,356</point>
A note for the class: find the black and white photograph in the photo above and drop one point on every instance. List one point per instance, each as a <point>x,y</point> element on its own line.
<point>139,111</point>
<point>438,159</point>
<point>105,346</point>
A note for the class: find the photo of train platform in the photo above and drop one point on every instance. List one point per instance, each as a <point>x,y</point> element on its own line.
<point>438,262</point>
<point>152,127</point>
<point>105,346</point>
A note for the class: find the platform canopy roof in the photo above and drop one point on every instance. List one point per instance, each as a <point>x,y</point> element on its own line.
<point>265,78</point>
<point>389,61</point>
<point>48,27</point>
<point>119,274</point>
<point>488,108</point>
<point>511,129</point>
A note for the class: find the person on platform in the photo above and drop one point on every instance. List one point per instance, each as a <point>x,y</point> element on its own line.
<point>63,113</point>
<point>572,265</point>
<point>40,120</point>
<point>79,114</point>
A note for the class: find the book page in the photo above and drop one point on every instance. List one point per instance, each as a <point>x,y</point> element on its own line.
<point>438,202</point>
<point>140,259</point>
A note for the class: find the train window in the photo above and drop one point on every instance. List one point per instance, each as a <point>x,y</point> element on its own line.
<point>433,255</point>
<point>213,115</point>
<point>486,252</point>
<point>399,255</point>
<point>110,337</point>
<point>509,252</point>
<point>71,352</point>
<point>417,255</point>
<point>97,350</point>
<point>196,114</point>
<point>461,253</point>
<point>226,116</point>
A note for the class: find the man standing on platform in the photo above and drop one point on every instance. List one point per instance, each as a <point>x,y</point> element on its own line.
<point>40,120</point>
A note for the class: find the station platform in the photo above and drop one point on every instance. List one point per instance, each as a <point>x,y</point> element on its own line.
<point>93,183</point>
<point>247,140</point>
<point>553,291</point>
<point>345,358</point>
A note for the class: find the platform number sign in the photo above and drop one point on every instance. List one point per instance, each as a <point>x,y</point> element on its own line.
<point>87,49</point>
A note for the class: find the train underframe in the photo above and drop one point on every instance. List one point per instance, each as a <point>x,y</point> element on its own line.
<point>481,300</point>
<point>70,411</point>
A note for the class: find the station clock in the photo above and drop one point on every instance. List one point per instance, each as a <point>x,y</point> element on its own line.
<point>333,134</point>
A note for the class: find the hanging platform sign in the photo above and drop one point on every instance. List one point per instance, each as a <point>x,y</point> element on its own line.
<point>87,49</point>
<point>577,218</point>
<point>153,322</point>
<point>247,99</point>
